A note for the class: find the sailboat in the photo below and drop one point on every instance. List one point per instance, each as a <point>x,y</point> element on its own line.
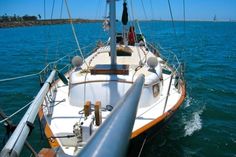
<point>214,18</point>
<point>98,82</point>
<point>80,101</point>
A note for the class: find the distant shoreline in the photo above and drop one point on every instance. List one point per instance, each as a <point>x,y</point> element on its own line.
<point>12,24</point>
<point>191,20</point>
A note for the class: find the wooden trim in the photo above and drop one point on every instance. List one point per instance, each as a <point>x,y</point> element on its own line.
<point>97,81</point>
<point>119,69</point>
<point>40,113</point>
<point>98,114</point>
<point>165,115</point>
<point>120,81</point>
<point>48,132</point>
<point>87,108</point>
<point>46,152</point>
<point>52,141</point>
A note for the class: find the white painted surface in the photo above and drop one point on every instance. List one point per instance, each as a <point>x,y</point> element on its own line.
<point>108,89</point>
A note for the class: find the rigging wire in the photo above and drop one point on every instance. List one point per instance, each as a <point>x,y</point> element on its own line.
<point>44,9</point>
<point>101,15</point>
<point>139,28</point>
<point>152,13</point>
<point>61,10</point>
<point>52,12</point>
<point>53,4</point>
<point>144,10</point>
<point>96,13</point>
<point>152,24</point>
<point>13,114</point>
<point>173,24</point>
<point>172,19</point>
<point>133,23</point>
<point>184,16</point>
<point>38,73</point>
<point>48,31</point>
<point>105,12</point>
<point>184,31</point>
<point>18,77</point>
<point>98,9</point>
<point>46,45</point>
<point>129,11</point>
<point>59,32</point>
<point>141,150</point>
<point>132,11</point>
<point>105,17</point>
<point>73,30</point>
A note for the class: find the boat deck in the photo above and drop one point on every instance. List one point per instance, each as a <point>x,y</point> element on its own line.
<point>63,115</point>
<point>67,114</point>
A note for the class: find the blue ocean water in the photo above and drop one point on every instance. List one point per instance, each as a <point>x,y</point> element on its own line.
<point>205,124</point>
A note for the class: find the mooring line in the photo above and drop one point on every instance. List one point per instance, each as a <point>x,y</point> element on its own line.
<point>2,121</point>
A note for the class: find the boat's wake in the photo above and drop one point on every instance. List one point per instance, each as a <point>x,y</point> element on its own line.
<point>194,124</point>
<point>192,120</point>
<point>189,100</point>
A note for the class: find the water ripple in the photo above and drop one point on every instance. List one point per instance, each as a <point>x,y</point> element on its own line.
<point>194,124</point>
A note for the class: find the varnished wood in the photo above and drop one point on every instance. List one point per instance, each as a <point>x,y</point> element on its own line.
<point>46,152</point>
<point>87,108</point>
<point>98,114</point>
<point>110,69</point>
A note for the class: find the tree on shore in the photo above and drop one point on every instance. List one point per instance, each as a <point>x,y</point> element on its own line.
<point>15,18</point>
<point>39,16</point>
<point>29,18</point>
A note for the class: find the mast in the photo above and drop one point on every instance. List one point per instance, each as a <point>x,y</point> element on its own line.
<point>113,31</point>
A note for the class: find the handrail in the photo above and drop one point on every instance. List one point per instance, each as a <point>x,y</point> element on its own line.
<point>112,137</point>
<point>16,142</point>
<point>118,80</point>
<point>168,51</point>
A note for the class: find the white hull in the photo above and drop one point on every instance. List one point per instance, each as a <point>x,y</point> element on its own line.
<point>67,102</point>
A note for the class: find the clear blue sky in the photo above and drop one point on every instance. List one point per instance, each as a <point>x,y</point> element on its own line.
<point>195,9</point>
